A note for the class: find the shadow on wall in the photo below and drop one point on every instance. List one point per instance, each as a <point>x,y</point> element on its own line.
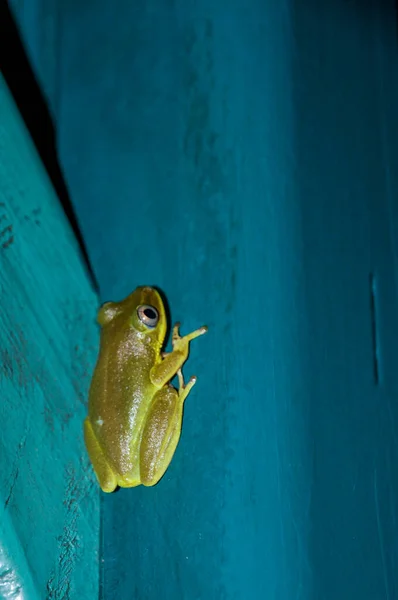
<point>28,97</point>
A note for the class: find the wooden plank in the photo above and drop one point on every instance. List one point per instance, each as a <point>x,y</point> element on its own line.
<point>49,523</point>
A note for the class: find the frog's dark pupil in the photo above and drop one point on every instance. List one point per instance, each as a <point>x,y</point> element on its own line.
<point>149,313</point>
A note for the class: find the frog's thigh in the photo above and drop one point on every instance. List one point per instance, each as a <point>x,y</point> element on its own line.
<point>105,475</point>
<point>161,434</point>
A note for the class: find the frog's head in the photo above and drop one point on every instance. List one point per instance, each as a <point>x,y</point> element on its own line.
<point>143,310</point>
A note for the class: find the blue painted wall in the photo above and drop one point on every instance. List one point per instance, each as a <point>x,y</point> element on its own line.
<point>243,158</point>
<point>49,523</point>
<point>347,158</point>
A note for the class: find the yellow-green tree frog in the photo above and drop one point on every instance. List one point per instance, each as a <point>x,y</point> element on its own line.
<point>134,413</point>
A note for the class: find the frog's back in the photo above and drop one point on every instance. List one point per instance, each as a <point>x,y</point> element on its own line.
<point>120,395</point>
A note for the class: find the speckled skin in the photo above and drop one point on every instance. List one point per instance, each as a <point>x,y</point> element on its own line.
<point>134,414</point>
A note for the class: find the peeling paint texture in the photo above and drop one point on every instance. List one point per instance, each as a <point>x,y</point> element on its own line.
<point>49,500</point>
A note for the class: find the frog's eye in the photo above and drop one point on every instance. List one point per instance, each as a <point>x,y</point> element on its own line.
<point>148,315</point>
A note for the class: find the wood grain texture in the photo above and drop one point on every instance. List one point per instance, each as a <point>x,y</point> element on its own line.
<point>49,523</point>
<point>243,156</point>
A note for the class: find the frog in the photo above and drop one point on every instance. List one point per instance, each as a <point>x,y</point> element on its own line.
<point>134,419</point>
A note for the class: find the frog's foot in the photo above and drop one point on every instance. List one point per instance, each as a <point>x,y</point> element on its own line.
<point>183,390</point>
<point>106,477</point>
<point>177,339</point>
<point>162,372</point>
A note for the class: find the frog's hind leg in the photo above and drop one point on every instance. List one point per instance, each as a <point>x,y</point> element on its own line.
<point>105,475</point>
<point>162,430</point>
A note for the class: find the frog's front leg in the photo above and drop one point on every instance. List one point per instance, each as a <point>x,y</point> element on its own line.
<point>105,475</point>
<point>173,361</point>
<point>162,430</point>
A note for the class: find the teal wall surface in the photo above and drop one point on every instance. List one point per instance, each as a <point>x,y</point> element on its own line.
<point>49,524</point>
<point>243,157</point>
